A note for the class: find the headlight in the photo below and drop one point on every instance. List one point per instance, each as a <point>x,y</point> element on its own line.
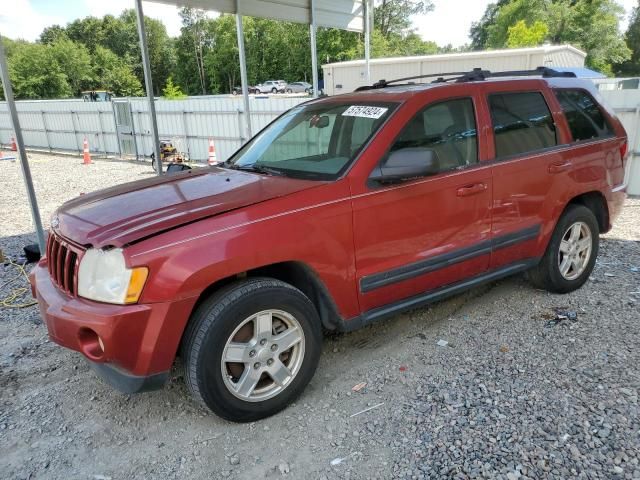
<point>104,277</point>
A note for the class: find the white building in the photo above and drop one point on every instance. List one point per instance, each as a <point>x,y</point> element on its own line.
<point>344,77</point>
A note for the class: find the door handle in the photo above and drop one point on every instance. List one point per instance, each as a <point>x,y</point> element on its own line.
<point>559,167</point>
<point>472,189</point>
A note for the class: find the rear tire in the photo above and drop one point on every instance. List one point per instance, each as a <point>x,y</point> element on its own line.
<point>274,90</point>
<point>251,348</point>
<point>571,253</point>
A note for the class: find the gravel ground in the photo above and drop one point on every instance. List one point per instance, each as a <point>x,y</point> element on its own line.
<point>512,395</point>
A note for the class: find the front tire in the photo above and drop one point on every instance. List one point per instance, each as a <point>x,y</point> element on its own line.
<point>251,349</point>
<point>571,253</point>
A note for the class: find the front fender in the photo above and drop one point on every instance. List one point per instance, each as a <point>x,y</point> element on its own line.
<point>185,261</point>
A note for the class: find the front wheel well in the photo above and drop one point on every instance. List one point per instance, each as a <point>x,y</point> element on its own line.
<point>296,274</point>
<point>595,202</point>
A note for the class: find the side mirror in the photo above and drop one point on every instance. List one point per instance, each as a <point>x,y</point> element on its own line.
<point>407,163</point>
<point>319,121</point>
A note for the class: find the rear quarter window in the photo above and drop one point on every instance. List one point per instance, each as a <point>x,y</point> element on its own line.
<point>522,123</point>
<point>584,116</point>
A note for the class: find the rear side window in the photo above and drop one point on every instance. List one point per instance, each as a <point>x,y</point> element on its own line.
<point>522,123</point>
<point>585,119</point>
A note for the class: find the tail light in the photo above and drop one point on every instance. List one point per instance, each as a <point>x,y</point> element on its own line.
<point>623,149</point>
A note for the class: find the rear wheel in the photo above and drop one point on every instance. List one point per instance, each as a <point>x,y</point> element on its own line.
<point>571,253</point>
<point>274,90</point>
<point>251,349</point>
<point>289,90</point>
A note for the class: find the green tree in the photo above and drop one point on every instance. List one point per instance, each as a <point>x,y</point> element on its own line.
<point>520,35</point>
<point>87,31</point>
<point>191,47</point>
<point>114,74</point>
<point>479,32</point>
<point>75,62</point>
<point>220,54</point>
<point>172,91</point>
<point>35,73</point>
<point>52,33</point>
<point>394,16</point>
<point>591,25</point>
<point>160,46</point>
<point>631,68</point>
<point>120,35</point>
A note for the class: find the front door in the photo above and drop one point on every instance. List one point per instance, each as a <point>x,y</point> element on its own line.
<point>421,234</point>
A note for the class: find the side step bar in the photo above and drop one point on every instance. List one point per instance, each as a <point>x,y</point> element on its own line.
<point>438,294</point>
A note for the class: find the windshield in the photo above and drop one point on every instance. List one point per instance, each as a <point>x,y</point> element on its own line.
<point>316,141</point>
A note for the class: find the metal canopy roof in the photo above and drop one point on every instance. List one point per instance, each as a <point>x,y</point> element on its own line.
<point>343,14</point>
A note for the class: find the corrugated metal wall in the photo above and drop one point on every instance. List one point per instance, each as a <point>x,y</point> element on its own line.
<point>346,77</point>
<point>62,125</point>
<point>626,104</point>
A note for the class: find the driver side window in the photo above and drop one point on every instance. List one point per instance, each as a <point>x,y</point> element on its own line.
<point>448,128</point>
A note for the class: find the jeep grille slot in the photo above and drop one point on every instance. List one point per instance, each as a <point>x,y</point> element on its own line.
<point>62,261</point>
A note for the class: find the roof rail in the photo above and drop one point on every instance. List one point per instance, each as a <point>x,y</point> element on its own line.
<point>477,74</point>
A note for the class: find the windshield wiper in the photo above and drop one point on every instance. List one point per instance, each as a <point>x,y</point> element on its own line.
<point>258,169</point>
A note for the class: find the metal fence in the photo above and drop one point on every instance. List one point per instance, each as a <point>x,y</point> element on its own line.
<point>122,127</point>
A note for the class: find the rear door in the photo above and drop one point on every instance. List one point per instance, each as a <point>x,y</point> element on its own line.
<point>525,144</point>
<point>421,234</point>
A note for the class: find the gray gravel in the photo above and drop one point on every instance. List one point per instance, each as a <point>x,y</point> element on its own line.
<point>513,394</point>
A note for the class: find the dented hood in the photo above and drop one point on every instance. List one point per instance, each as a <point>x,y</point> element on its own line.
<point>126,213</point>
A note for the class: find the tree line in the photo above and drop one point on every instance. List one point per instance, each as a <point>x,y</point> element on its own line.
<point>104,53</point>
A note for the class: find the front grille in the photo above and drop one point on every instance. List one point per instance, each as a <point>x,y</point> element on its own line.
<point>62,260</point>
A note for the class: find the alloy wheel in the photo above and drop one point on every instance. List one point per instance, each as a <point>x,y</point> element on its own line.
<point>575,250</point>
<point>263,355</point>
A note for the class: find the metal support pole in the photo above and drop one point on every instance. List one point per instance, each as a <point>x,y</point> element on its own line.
<point>24,162</point>
<point>243,70</point>
<point>314,50</point>
<point>46,129</point>
<point>75,132</point>
<point>102,135</point>
<point>185,129</point>
<point>367,39</point>
<point>148,83</point>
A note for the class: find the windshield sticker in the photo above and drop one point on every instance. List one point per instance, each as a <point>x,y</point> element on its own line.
<point>364,111</point>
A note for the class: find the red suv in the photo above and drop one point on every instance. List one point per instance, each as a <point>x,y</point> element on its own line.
<point>341,212</point>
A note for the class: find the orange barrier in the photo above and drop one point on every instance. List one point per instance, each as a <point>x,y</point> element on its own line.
<point>213,159</point>
<point>86,158</point>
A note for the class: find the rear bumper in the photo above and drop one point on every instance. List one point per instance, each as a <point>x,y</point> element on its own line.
<point>615,202</point>
<point>131,346</point>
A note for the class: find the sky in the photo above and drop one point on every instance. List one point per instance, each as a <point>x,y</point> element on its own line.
<point>448,23</point>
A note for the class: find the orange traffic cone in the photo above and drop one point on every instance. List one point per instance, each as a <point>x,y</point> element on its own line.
<point>213,160</point>
<point>14,147</point>
<point>86,158</point>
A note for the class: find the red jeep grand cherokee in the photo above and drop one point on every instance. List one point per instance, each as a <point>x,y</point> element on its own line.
<point>341,212</point>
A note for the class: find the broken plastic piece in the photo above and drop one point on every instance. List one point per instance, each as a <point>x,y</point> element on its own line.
<point>358,387</point>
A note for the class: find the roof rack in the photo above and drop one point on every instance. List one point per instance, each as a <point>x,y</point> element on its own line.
<point>477,74</point>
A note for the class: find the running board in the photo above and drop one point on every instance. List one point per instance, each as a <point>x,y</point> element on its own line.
<point>438,294</point>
